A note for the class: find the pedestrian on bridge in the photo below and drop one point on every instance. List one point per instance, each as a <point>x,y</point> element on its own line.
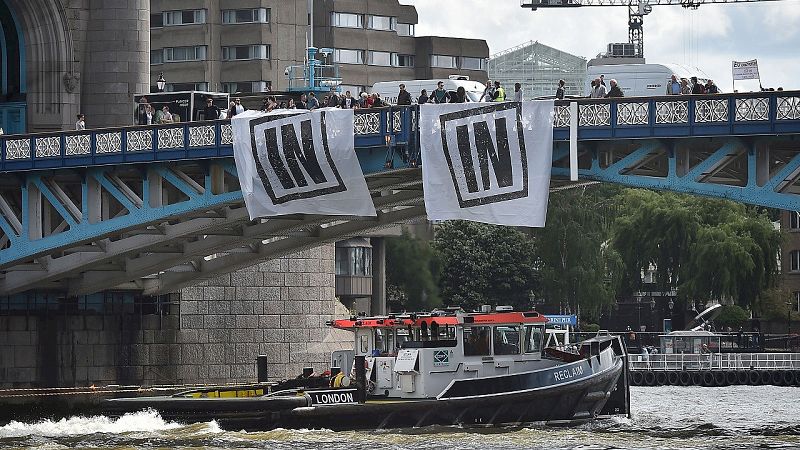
<point>403,97</point>
<point>80,125</point>
<point>615,91</point>
<point>211,111</point>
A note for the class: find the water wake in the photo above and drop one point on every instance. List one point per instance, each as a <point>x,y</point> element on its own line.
<point>148,420</point>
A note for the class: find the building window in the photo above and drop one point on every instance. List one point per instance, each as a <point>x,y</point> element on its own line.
<point>443,61</point>
<point>354,261</point>
<point>157,20</point>
<point>379,58</point>
<point>187,17</point>
<point>796,302</point>
<point>794,257</point>
<point>157,56</point>
<point>347,20</point>
<point>403,60</point>
<point>473,63</point>
<point>256,15</point>
<point>180,87</point>
<point>383,23</point>
<point>794,220</point>
<point>345,56</point>
<point>247,86</point>
<point>405,29</point>
<point>176,54</point>
<point>244,52</point>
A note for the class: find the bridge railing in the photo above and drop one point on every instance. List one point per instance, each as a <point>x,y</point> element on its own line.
<point>379,127</point>
<point>752,113</point>
<point>759,113</point>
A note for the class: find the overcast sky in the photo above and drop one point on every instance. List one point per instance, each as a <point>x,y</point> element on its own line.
<point>709,38</point>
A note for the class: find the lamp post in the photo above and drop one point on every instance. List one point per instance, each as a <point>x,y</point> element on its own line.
<point>161,82</point>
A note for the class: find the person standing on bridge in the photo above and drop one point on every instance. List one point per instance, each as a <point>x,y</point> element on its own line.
<point>518,92</point>
<point>80,125</point>
<point>599,91</point>
<point>674,86</point>
<point>560,90</point>
<point>440,95</point>
<point>403,97</point>
<point>615,91</point>
<point>211,111</point>
<point>423,97</point>
<point>488,93</point>
<point>499,92</point>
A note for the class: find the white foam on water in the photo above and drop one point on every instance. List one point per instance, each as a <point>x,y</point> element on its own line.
<point>148,420</point>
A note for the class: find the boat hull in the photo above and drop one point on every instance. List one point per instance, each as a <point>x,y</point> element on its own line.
<point>569,401</point>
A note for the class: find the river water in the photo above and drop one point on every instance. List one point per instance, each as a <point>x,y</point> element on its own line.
<point>668,417</point>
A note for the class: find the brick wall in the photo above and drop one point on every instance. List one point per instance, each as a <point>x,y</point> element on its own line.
<point>278,308</point>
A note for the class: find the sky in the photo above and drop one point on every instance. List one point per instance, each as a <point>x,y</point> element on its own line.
<point>709,38</point>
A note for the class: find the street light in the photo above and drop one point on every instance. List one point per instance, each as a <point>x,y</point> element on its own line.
<point>161,82</point>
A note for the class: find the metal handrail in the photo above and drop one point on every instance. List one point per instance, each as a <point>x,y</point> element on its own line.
<point>715,361</point>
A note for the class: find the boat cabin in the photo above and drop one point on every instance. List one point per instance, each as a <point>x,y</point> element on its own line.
<point>690,342</point>
<point>417,356</point>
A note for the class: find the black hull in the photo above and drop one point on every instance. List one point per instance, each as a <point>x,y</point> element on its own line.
<point>574,402</point>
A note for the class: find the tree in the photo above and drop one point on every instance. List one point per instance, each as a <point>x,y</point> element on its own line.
<point>411,274</point>
<point>578,271</point>
<point>732,316</point>
<point>706,249</point>
<point>485,264</point>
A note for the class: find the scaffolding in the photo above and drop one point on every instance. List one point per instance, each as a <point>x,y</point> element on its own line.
<point>538,67</point>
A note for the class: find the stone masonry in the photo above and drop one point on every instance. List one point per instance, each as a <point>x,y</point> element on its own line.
<point>278,308</point>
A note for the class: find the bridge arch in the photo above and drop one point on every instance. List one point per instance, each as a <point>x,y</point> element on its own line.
<point>49,88</point>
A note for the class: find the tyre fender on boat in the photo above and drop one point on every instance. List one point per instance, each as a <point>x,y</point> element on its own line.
<point>685,378</point>
<point>720,379</point>
<point>637,378</point>
<point>697,379</point>
<point>731,378</point>
<point>754,378</point>
<point>742,377</point>
<point>649,379</point>
<point>708,379</point>
<point>661,378</point>
<point>673,378</point>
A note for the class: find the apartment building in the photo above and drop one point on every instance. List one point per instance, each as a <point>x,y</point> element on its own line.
<point>246,45</point>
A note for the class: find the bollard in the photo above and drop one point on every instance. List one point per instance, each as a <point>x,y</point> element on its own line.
<point>361,378</point>
<point>261,368</point>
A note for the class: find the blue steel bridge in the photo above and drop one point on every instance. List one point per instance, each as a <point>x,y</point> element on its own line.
<point>157,208</point>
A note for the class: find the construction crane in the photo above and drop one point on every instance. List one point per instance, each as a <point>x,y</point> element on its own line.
<point>637,9</point>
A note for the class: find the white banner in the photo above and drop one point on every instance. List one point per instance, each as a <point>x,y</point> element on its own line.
<point>488,162</point>
<point>299,162</point>
<point>745,70</point>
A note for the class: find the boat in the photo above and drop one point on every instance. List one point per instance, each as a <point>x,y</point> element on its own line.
<point>411,370</point>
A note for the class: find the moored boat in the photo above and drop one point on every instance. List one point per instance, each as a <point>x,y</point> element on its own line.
<point>409,370</point>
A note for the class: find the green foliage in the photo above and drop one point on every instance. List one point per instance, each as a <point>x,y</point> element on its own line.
<point>733,316</point>
<point>485,264</point>
<point>578,271</point>
<point>706,249</point>
<point>411,274</point>
<point>590,327</point>
<point>776,304</point>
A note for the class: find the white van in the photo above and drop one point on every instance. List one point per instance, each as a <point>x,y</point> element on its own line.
<point>641,80</point>
<point>388,89</point>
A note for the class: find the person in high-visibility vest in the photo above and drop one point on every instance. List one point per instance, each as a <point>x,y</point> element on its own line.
<point>499,92</point>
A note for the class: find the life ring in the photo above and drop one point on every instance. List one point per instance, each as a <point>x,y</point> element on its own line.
<point>697,378</point>
<point>649,379</point>
<point>673,378</point>
<point>731,378</point>
<point>720,379</point>
<point>685,378</point>
<point>637,378</point>
<point>661,378</point>
<point>754,378</point>
<point>742,377</point>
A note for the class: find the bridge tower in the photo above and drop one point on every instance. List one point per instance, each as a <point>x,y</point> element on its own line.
<point>71,56</point>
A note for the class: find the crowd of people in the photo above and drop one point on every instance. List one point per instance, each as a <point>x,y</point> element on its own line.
<point>683,87</point>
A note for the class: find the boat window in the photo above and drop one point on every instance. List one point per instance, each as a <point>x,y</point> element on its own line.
<point>403,335</point>
<point>533,339</point>
<point>384,342</point>
<point>476,341</point>
<point>363,344</point>
<point>506,340</point>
